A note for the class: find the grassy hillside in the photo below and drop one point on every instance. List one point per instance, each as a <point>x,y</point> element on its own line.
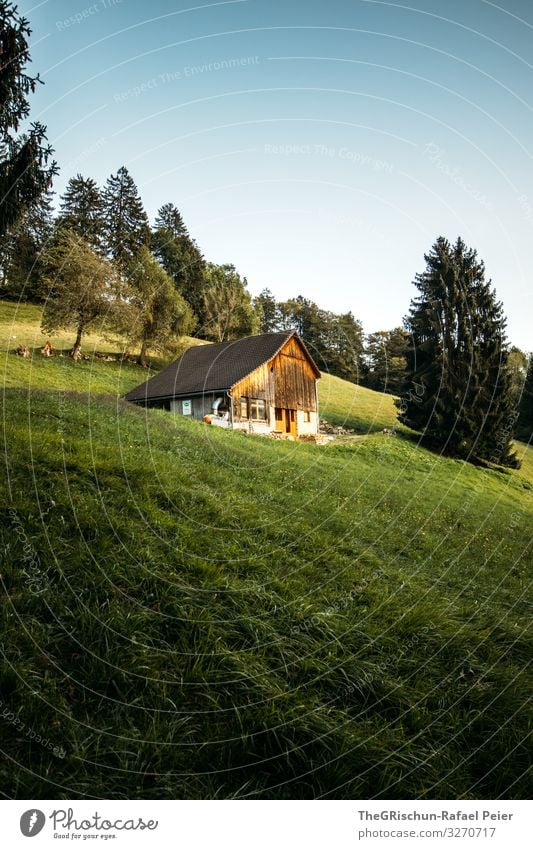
<point>341,402</point>
<point>192,613</point>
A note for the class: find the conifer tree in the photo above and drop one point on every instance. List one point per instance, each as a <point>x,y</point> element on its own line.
<point>458,391</point>
<point>126,222</point>
<point>82,210</point>
<point>169,218</point>
<point>26,170</point>
<point>179,256</point>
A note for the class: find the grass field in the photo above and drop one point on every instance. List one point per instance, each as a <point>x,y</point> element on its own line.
<point>191,613</point>
<point>340,402</point>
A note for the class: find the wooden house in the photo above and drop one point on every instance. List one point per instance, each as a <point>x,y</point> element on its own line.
<point>262,384</point>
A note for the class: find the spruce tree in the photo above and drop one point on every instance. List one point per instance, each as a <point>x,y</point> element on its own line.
<point>457,391</point>
<point>26,169</point>
<point>126,222</point>
<point>169,218</point>
<point>82,210</point>
<point>179,256</point>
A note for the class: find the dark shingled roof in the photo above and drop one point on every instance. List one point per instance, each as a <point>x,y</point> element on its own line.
<point>207,368</point>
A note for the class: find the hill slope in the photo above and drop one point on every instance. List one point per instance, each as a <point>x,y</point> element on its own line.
<point>192,613</point>
<point>340,402</point>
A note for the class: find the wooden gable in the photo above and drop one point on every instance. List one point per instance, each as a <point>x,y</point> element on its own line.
<point>295,377</point>
<point>288,380</point>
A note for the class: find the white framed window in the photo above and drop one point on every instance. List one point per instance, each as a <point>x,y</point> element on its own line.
<point>244,408</point>
<point>258,409</point>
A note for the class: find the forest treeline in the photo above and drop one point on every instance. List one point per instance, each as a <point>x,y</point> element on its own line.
<point>99,260</point>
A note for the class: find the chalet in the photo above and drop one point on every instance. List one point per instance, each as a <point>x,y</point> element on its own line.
<point>262,384</point>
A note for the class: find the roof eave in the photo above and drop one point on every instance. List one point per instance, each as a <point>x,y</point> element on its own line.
<point>195,394</point>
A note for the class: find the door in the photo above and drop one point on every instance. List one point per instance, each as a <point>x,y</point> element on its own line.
<point>290,422</point>
<point>286,421</point>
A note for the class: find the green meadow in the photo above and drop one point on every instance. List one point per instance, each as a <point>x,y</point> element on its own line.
<point>192,613</point>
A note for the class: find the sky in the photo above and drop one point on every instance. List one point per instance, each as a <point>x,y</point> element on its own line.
<point>321,146</point>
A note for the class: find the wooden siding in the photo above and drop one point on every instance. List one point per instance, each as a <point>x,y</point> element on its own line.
<point>258,384</point>
<point>295,383</point>
<point>288,382</point>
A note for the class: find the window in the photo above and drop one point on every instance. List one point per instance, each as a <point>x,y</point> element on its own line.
<point>244,408</point>
<point>307,416</point>
<point>258,409</point>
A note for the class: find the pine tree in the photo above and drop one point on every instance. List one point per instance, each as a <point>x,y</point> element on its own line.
<point>126,229</point>
<point>22,249</point>
<point>457,391</point>
<point>82,210</point>
<point>524,426</point>
<point>26,169</point>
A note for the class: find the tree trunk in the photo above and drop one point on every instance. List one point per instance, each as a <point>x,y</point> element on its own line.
<point>75,353</point>
<point>141,359</point>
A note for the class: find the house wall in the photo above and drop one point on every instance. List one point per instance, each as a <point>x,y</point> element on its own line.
<point>201,405</point>
<point>259,384</point>
<point>287,382</point>
<point>295,380</point>
<point>306,428</point>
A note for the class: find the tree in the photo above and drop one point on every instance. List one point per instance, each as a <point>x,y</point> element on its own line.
<point>385,354</point>
<point>227,306</point>
<point>21,251</point>
<point>126,222</point>
<point>267,311</point>
<point>26,169</point>
<point>83,290</point>
<point>179,255</point>
<point>517,364</point>
<point>343,342</point>
<point>335,341</point>
<point>160,315</point>
<point>524,425</point>
<point>82,210</point>
<point>169,218</point>
<point>457,391</point>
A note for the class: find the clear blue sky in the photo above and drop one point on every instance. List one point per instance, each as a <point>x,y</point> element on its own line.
<point>319,146</point>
